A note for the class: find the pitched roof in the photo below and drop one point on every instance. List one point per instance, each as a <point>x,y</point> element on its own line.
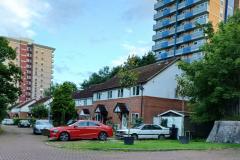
<point>40,101</point>
<point>25,103</point>
<point>145,74</point>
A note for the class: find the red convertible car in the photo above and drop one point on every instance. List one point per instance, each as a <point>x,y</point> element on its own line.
<point>82,129</point>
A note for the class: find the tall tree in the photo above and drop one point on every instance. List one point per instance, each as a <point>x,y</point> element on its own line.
<point>39,111</point>
<point>10,75</point>
<point>213,83</point>
<point>63,105</point>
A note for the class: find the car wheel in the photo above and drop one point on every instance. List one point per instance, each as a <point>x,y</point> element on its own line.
<point>135,136</point>
<point>64,136</point>
<point>102,136</point>
<point>161,136</point>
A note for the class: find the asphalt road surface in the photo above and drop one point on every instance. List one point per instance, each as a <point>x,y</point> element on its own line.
<point>21,144</point>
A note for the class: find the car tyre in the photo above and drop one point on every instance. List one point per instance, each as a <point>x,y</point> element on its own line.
<point>102,136</point>
<point>161,136</point>
<point>64,136</point>
<point>135,136</point>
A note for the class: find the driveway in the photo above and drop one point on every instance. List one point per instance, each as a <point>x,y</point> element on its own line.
<point>21,144</point>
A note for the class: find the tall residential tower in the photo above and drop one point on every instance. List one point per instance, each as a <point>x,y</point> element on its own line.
<point>176,20</point>
<point>36,63</point>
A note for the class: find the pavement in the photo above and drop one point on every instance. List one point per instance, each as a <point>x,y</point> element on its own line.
<point>21,144</point>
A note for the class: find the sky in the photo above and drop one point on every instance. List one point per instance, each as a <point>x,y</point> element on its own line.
<point>87,34</point>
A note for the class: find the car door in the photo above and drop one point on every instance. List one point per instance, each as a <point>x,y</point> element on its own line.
<point>145,132</point>
<point>93,129</point>
<point>79,130</point>
<point>156,131</point>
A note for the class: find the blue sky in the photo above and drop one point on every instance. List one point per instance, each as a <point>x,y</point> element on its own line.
<point>87,34</point>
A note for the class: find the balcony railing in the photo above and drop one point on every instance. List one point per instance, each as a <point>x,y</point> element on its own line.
<point>190,37</point>
<point>163,45</point>
<point>188,49</point>
<point>188,3</point>
<point>163,34</point>
<point>193,13</point>
<point>164,23</point>
<point>191,25</point>
<point>165,12</point>
<point>161,4</point>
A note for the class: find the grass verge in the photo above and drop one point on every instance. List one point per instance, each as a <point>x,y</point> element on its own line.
<point>141,145</point>
<point>1,130</point>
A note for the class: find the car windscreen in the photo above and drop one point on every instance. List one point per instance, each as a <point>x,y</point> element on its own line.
<point>137,126</point>
<point>42,123</point>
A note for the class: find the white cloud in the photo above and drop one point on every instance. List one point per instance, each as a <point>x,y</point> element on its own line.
<point>19,17</point>
<point>131,50</point>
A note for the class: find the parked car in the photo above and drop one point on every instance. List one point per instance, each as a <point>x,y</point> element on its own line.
<point>71,121</point>
<point>144,131</point>
<point>7,121</point>
<point>40,125</point>
<point>24,123</point>
<point>82,129</point>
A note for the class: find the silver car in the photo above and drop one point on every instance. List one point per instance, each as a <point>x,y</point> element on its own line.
<point>7,121</point>
<point>144,131</point>
<point>40,125</point>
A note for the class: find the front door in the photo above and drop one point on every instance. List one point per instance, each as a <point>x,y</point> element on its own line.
<point>124,121</point>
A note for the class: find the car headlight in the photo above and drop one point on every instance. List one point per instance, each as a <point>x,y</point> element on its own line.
<point>55,131</point>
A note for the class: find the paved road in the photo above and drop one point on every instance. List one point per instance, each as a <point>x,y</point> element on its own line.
<point>21,144</point>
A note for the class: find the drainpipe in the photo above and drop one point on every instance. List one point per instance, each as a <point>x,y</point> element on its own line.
<point>141,113</point>
<point>226,11</point>
<point>175,35</point>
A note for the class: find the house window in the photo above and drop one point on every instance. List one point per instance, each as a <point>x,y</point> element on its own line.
<point>109,94</point>
<point>136,90</point>
<point>85,102</point>
<point>134,118</point>
<point>98,96</point>
<point>120,92</point>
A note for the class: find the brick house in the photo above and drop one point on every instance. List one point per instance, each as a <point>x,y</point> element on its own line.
<point>154,94</point>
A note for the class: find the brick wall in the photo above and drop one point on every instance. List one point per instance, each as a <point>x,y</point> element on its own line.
<point>151,107</point>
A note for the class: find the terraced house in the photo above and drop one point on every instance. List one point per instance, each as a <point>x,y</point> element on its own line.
<point>176,28</point>
<point>154,93</point>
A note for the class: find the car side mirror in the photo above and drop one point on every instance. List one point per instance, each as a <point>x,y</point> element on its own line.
<point>75,126</point>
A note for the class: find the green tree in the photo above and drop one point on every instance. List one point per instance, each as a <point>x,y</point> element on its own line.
<point>63,105</point>
<point>10,75</point>
<point>49,92</point>
<point>39,111</point>
<point>212,84</point>
<point>128,78</point>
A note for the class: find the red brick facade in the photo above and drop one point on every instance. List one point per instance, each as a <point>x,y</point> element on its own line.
<point>152,106</point>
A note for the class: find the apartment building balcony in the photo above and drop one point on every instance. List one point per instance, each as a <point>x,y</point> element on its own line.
<point>165,54</point>
<point>189,3</point>
<point>163,34</point>
<point>165,12</point>
<point>191,14</point>
<point>188,49</point>
<point>164,23</point>
<point>162,4</point>
<point>190,37</point>
<point>162,45</point>
<point>191,25</point>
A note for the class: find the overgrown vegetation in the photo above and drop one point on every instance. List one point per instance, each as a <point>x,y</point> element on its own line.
<point>212,84</point>
<point>106,73</point>
<point>10,75</point>
<point>39,111</point>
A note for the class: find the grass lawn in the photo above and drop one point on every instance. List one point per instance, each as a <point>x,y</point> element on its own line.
<point>1,131</point>
<point>154,145</point>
